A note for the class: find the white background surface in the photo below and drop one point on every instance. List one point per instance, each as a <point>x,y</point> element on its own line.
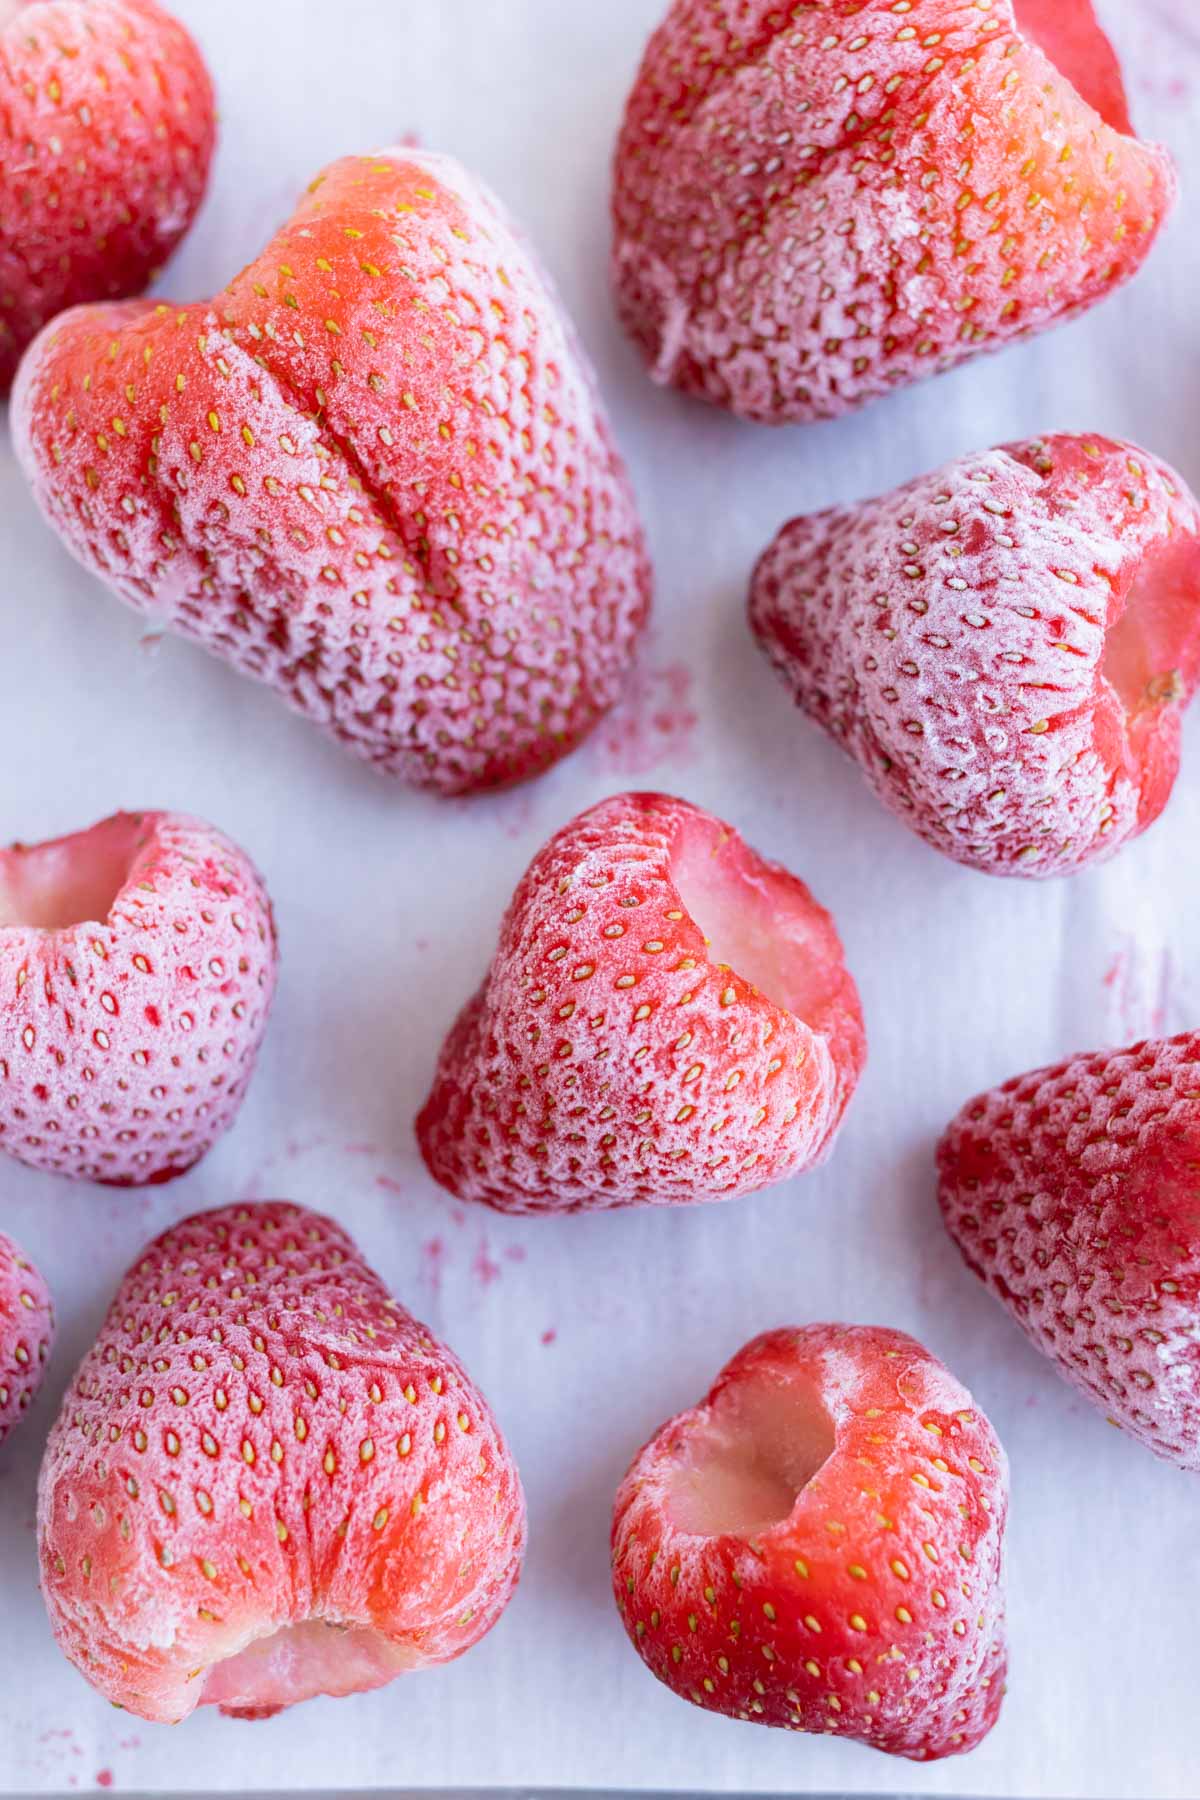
<point>388,904</point>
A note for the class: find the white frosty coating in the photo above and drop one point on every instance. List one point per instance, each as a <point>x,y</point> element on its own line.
<point>26,1333</point>
<point>261,1439</point>
<point>816,205</point>
<point>1071,1193</point>
<point>373,473</point>
<point>952,636</point>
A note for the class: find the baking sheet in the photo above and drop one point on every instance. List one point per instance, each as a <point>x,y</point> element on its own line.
<point>586,1333</point>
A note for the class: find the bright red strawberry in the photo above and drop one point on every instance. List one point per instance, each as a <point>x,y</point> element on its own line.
<point>373,473</point>
<point>137,966</point>
<point>1072,1193</point>
<point>269,1481</point>
<point>818,1545</point>
<point>107,131</point>
<point>816,205</point>
<point>26,1333</point>
<point>668,1019</point>
<point>1005,646</point>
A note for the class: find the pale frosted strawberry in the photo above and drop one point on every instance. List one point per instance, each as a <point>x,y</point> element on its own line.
<point>816,205</point>
<point>107,131</point>
<point>1006,646</point>
<point>1072,1194</point>
<point>26,1333</point>
<point>818,1545</point>
<point>268,1481</point>
<point>668,1019</point>
<point>374,473</point>
<point>137,967</point>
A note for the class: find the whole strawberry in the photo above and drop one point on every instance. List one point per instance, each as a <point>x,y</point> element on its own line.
<point>1072,1194</point>
<point>816,205</point>
<point>107,131</point>
<point>668,1019</point>
<point>26,1333</point>
<point>268,1481</point>
<point>818,1545</point>
<point>1006,646</point>
<point>137,967</point>
<point>373,473</point>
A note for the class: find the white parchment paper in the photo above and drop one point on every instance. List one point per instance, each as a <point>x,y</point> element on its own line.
<point>587,1333</point>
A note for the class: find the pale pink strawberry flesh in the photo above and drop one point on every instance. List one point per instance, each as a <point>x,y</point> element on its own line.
<point>747,1463</point>
<point>75,880</point>
<point>1152,654</point>
<point>753,924</point>
<point>1068,32</point>
<point>300,1662</point>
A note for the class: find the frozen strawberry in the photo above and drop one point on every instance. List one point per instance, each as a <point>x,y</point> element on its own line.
<point>373,473</point>
<point>137,966</point>
<point>1005,646</point>
<point>818,1545</point>
<point>1072,1193</point>
<point>816,205</point>
<point>668,1019</point>
<point>107,130</point>
<point>26,1333</point>
<point>268,1481</point>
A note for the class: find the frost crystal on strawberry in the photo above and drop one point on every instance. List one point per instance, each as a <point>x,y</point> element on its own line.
<point>26,1333</point>
<point>374,473</point>
<point>1006,646</point>
<point>818,204</point>
<point>668,1019</point>
<point>1072,1194</point>
<point>268,1481</point>
<point>818,1545</point>
<point>107,130</point>
<point>137,967</point>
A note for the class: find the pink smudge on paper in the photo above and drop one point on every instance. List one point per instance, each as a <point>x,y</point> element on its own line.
<point>105,1778</point>
<point>1142,985</point>
<point>485,1268</point>
<point>433,1263</point>
<point>388,1184</point>
<point>516,1253</point>
<point>654,723</point>
<point>550,1336</point>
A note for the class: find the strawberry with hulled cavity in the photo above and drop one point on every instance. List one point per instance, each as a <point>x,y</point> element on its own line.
<point>374,473</point>
<point>137,968</point>
<point>268,1481</point>
<point>1006,646</point>
<point>818,1545</point>
<point>817,205</point>
<point>26,1333</point>
<point>107,132</point>
<point>1072,1194</point>
<point>668,1019</point>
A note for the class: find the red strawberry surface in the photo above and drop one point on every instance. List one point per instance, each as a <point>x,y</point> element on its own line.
<point>268,1481</point>
<point>816,205</point>
<point>1072,1194</point>
<point>668,1019</point>
<point>26,1333</point>
<point>1005,646</point>
<point>137,967</point>
<point>107,131</point>
<point>374,473</point>
<point>818,1545</point>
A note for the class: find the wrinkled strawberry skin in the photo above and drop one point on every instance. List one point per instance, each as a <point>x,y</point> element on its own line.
<point>607,1061</point>
<point>876,1610</point>
<point>815,206</point>
<point>1071,1193</point>
<point>107,133</point>
<point>952,638</point>
<point>261,1437</point>
<point>374,474</point>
